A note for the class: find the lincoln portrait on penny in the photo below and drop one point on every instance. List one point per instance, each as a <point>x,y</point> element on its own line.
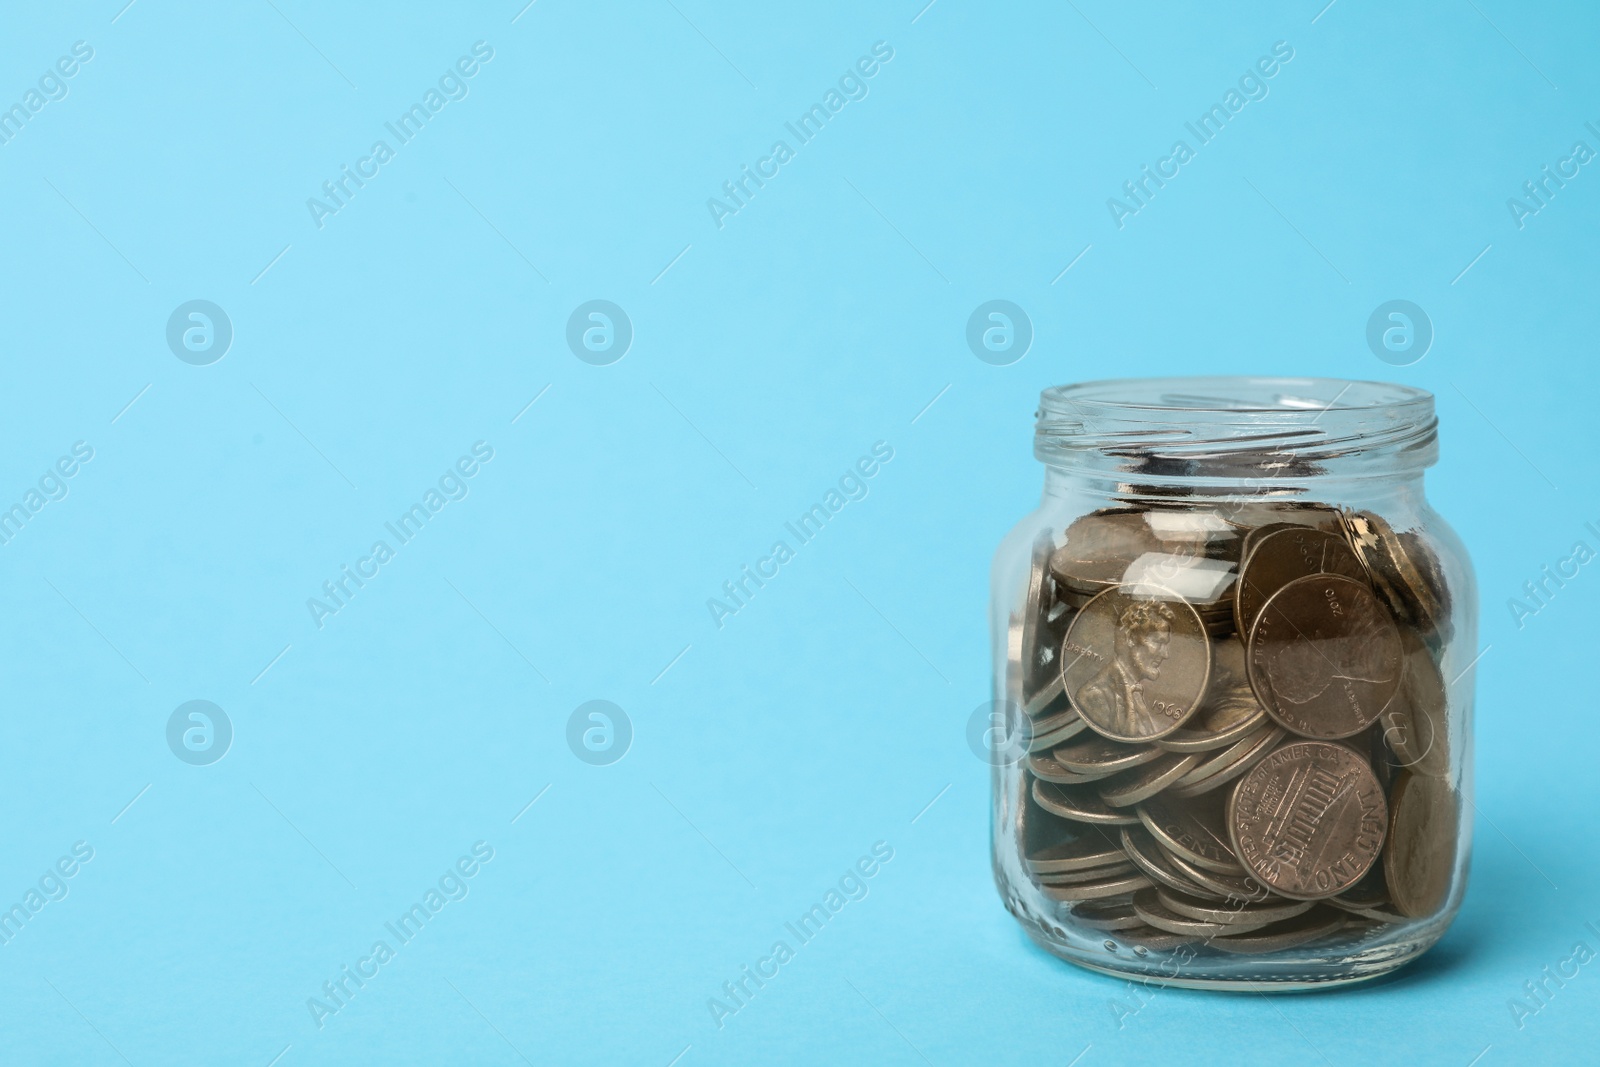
<point>1114,697</point>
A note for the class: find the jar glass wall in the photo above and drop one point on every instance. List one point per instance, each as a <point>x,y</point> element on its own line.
<point>1232,652</point>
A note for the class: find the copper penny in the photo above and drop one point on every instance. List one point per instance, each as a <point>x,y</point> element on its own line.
<point>1079,804</point>
<point>1195,830</point>
<point>1136,667</point>
<point>1279,558</point>
<point>1308,820</point>
<point>1422,845</point>
<point>1324,657</point>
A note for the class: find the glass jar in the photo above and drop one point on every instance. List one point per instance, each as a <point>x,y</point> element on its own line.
<point>1232,668</point>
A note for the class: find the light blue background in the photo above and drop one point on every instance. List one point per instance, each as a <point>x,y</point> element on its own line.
<point>769,354</point>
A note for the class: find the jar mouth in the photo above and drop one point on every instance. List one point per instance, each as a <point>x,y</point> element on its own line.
<point>1224,430</point>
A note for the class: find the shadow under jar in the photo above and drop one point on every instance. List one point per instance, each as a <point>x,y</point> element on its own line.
<point>1233,646</point>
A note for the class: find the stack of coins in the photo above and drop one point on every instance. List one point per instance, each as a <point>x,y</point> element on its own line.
<point>1236,725</point>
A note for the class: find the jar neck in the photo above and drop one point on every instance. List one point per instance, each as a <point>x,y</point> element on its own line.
<point>1227,438</point>
<point>1398,490</point>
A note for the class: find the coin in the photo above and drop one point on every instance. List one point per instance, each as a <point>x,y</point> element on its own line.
<point>1038,651</point>
<point>1196,831</point>
<point>1229,710</point>
<point>1421,860</point>
<point>1079,804</point>
<point>1324,657</point>
<point>1050,698</point>
<point>1094,874</point>
<point>1111,887</point>
<point>1146,936</point>
<point>1149,907</point>
<point>1403,568</point>
<point>1225,886</point>
<point>1110,914</point>
<point>1230,763</point>
<point>1280,557</point>
<point>1096,757</point>
<point>1136,667</point>
<point>1144,782</point>
<point>1052,730</point>
<point>1084,850</point>
<point>1250,515</point>
<point>1141,848</point>
<point>1308,820</point>
<point>1416,722</point>
<point>1235,914</point>
<point>1302,929</point>
<point>1368,898</point>
<point>1098,547</point>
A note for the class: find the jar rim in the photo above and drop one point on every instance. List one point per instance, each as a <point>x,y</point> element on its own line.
<point>1233,427</point>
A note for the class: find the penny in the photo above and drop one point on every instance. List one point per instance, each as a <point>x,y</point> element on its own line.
<point>1308,820</point>
<point>1416,722</point>
<point>1098,547</point>
<point>1047,768</point>
<point>1368,898</point>
<point>1052,730</point>
<point>1149,907</point>
<point>1324,657</point>
<point>1038,653</point>
<point>1230,763</point>
<point>1280,557</point>
<point>1148,856</point>
<point>1095,874</point>
<point>1087,849</point>
<point>1136,668</point>
<point>1097,757</point>
<point>1079,804</point>
<point>1196,831</point>
<point>1225,886</point>
<point>1302,929</point>
<point>1106,914</point>
<point>1050,698</point>
<point>1111,887</point>
<point>1421,859</point>
<point>1403,568</point>
<point>1148,937</point>
<point>1251,515</point>
<point>1222,720</point>
<point>1142,783</point>
<point>1235,914</point>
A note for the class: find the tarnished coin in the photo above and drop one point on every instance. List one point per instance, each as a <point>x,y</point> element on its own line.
<point>1110,914</point>
<point>1148,937</point>
<point>1052,730</point>
<point>1416,723</point>
<point>1097,549</point>
<point>1308,820</point>
<point>1111,887</point>
<point>1221,721</point>
<point>1235,914</point>
<point>1279,557</point>
<point>1149,857</point>
<point>1150,907</point>
<point>1223,886</point>
<point>1196,831</point>
<point>1136,668</point>
<point>1079,804</point>
<point>1422,844</point>
<point>1223,767</point>
<point>1039,650</point>
<point>1368,898</point>
<point>1095,874</point>
<point>1046,769</point>
<point>1324,657</point>
<point>1096,757</point>
<point>1085,850</point>
<point>1403,569</point>
<point>1301,930</point>
<point>1142,783</point>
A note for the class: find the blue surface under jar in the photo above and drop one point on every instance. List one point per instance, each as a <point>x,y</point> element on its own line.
<point>1233,697</point>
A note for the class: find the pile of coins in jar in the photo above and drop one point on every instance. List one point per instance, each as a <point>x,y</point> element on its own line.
<point>1236,725</point>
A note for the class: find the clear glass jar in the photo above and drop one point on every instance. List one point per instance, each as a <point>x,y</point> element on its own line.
<point>1232,647</point>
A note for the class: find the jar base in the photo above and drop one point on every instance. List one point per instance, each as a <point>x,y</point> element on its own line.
<point>1195,965</point>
